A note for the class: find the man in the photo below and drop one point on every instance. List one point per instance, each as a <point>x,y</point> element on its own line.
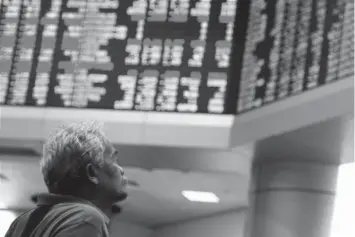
<point>79,167</point>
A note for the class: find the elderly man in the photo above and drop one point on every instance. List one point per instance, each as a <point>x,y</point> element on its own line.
<point>79,167</point>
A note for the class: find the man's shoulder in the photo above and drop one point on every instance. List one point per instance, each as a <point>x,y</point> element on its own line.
<point>64,217</point>
<point>75,213</point>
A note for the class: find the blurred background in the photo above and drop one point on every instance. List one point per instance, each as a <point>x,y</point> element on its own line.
<point>231,117</point>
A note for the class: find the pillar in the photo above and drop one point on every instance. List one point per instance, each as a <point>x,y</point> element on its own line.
<point>293,200</point>
<point>294,182</point>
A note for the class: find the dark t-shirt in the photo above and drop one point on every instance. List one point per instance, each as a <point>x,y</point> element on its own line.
<point>68,217</point>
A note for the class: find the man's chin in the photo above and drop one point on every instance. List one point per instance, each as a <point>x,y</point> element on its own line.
<point>121,196</point>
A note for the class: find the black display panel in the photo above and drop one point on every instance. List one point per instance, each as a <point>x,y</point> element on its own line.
<point>146,55</point>
<point>293,46</point>
<point>188,56</point>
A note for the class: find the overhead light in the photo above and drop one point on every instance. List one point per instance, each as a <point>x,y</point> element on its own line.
<point>3,205</point>
<point>196,196</point>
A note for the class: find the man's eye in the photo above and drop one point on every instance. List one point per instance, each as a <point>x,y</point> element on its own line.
<point>115,159</point>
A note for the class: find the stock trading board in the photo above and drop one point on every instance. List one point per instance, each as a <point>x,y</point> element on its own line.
<point>187,56</point>
<point>293,46</point>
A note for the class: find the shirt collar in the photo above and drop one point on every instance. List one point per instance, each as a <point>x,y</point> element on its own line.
<point>53,199</point>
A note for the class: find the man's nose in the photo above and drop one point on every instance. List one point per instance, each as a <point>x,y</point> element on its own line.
<point>121,170</point>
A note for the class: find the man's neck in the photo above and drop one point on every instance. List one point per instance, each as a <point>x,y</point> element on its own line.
<point>104,204</point>
<point>105,207</point>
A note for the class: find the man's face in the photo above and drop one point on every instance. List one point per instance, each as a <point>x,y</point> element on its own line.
<point>112,177</point>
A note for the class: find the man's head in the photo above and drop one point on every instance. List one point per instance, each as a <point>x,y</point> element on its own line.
<point>78,160</point>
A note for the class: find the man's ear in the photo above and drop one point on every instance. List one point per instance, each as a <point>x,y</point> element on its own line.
<point>91,173</point>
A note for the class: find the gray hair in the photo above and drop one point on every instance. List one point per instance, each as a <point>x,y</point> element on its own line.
<point>67,150</point>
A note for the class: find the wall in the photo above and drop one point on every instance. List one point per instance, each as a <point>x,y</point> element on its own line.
<point>6,218</point>
<point>121,229</point>
<point>223,225</point>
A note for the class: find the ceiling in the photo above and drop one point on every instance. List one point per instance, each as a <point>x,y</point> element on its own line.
<point>163,173</point>
<point>155,202</point>
<point>331,141</point>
